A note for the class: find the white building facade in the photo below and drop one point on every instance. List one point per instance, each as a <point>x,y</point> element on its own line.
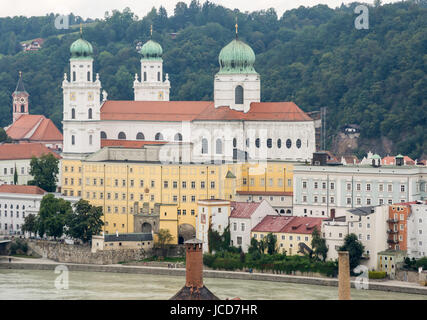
<point>320,191</point>
<point>245,216</point>
<point>417,231</point>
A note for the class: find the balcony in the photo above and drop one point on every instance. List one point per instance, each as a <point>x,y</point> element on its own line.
<point>392,220</point>
<point>392,231</point>
<point>392,241</point>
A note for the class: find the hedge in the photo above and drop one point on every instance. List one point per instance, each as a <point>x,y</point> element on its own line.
<point>377,274</point>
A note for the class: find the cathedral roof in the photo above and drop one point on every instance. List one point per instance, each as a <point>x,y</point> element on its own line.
<point>151,50</point>
<point>81,49</point>
<point>236,57</point>
<point>199,111</point>
<point>34,128</point>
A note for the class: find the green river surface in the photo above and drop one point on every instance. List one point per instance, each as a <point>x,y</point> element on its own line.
<point>40,284</point>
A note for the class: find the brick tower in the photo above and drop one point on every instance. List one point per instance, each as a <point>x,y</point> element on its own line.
<point>194,288</point>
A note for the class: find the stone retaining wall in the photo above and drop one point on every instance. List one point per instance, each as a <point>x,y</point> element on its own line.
<point>82,254</point>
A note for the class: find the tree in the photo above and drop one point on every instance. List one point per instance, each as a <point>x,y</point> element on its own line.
<point>254,246</point>
<point>15,176</point>
<point>45,171</point>
<point>3,136</point>
<point>30,224</point>
<point>355,249</point>
<point>318,244</point>
<point>271,243</point>
<point>84,221</point>
<point>52,216</point>
<point>163,238</point>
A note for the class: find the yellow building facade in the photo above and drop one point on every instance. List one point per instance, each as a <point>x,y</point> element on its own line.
<point>286,242</point>
<point>125,188</point>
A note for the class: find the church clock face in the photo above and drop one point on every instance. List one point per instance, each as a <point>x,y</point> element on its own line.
<point>73,96</point>
<point>22,100</point>
<point>90,96</point>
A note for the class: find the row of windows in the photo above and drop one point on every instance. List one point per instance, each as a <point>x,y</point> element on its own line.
<point>270,182</point>
<point>368,187</point>
<point>73,140</point>
<point>283,237</point>
<point>5,226</point>
<point>73,113</point>
<point>11,206</point>
<point>184,184</point>
<point>12,170</point>
<point>11,214</point>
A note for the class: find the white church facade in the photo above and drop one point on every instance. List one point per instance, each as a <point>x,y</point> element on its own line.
<point>235,126</point>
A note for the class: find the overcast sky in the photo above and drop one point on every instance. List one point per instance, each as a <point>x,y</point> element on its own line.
<point>96,9</point>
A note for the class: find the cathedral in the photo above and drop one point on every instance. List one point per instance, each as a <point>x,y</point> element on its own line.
<point>236,125</point>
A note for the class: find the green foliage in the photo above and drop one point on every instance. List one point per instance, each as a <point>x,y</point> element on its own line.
<point>15,176</point>
<point>277,263</point>
<point>319,245</point>
<point>422,262</point>
<point>355,249</point>
<point>313,56</point>
<point>217,241</point>
<point>377,274</point>
<point>18,247</point>
<point>30,224</point>
<point>52,216</point>
<point>45,171</point>
<point>84,221</point>
<point>3,136</point>
<point>271,243</point>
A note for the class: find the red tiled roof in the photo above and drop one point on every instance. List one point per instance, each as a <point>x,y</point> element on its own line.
<point>285,224</point>
<point>243,209</point>
<point>272,224</point>
<point>199,110</point>
<point>132,144</point>
<point>34,128</point>
<point>265,193</point>
<point>390,160</point>
<point>9,188</point>
<point>13,151</point>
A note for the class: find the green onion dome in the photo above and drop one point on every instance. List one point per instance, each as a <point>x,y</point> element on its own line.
<point>236,57</point>
<point>81,49</point>
<point>151,50</point>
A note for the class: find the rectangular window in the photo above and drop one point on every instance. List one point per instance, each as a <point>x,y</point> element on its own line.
<point>152,183</point>
<point>390,188</point>
<point>368,201</point>
<point>304,184</point>
<point>381,187</point>
<point>358,187</point>
<point>202,184</point>
<point>141,183</point>
<point>184,184</point>
<point>368,187</point>
<point>332,186</point>
<point>348,200</point>
<point>193,184</point>
<point>348,186</point>
<point>316,184</point>
<point>402,188</point>
<point>165,184</point>
<point>332,199</point>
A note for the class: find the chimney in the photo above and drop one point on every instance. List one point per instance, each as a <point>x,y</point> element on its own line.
<point>194,264</point>
<point>194,288</point>
<point>343,275</point>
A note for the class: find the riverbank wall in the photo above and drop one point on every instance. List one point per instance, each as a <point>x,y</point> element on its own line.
<point>381,286</point>
<point>82,254</point>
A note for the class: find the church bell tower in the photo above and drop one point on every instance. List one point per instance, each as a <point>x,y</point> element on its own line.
<point>20,99</point>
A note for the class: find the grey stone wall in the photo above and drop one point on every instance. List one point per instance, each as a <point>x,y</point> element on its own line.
<point>82,254</point>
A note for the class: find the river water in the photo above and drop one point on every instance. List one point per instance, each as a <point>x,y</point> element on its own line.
<point>40,284</point>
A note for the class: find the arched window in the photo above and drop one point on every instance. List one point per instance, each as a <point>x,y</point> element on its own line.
<point>145,76</point>
<point>158,76</point>
<point>90,139</point>
<point>158,136</point>
<point>140,136</point>
<point>288,211</point>
<point>122,136</point>
<point>89,113</point>
<point>257,143</point>
<point>299,143</point>
<point>178,137</point>
<point>269,143</point>
<point>288,143</point>
<point>73,140</point>
<point>279,143</point>
<point>103,135</point>
<point>204,146</point>
<point>238,95</point>
<point>234,143</point>
<point>282,210</point>
<point>74,76</point>
<point>73,113</point>
<point>88,76</point>
<point>247,142</point>
<point>218,146</point>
